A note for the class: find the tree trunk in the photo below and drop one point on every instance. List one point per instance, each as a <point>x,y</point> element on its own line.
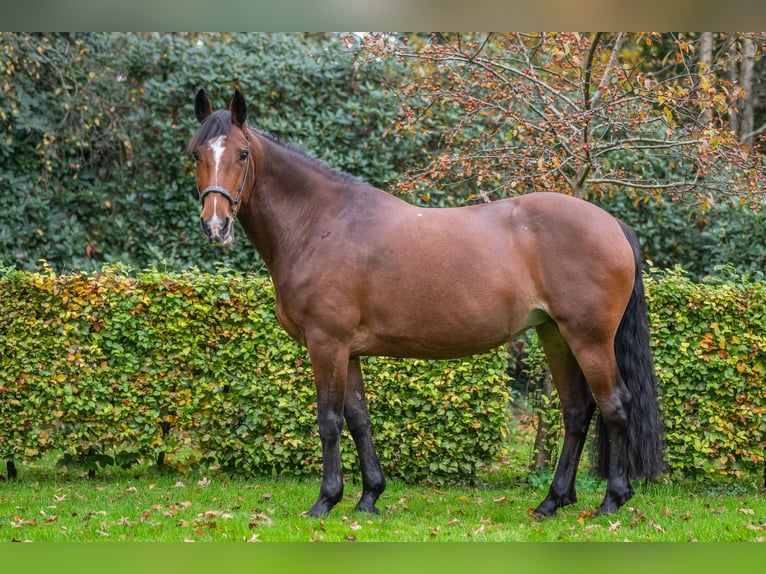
<point>543,449</point>
<point>731,75</point>
<point>706,59</point>
<point>746,121</point>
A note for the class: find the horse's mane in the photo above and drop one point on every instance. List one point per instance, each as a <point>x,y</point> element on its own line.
<point>218,123</point>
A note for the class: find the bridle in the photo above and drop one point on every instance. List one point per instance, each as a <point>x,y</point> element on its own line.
<point>233,201</point>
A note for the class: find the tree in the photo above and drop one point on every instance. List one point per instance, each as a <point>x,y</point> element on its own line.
<point>571,112</point>
<point>740,65</point>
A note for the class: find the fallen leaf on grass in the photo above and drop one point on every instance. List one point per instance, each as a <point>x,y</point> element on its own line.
<point>657,526</point>
<point>613,526</point>
<point>746,510</point>
<point>18,522</point>
<point>209,514</point>
<point>261,519</point>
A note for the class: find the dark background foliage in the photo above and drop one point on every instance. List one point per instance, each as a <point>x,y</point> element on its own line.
<point>93,127</point>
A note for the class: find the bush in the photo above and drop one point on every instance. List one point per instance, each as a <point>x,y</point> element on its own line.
<point>94,125</point>
<point>698,239</point>
<point>192,368</point>
<point>710,352</point>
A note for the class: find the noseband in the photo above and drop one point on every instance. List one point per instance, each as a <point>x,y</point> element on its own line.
<point>233,201</point>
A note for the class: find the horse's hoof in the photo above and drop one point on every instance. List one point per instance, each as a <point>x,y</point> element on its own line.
<point>545,510</point>
<point>371,509</point>
<point>317,511</point>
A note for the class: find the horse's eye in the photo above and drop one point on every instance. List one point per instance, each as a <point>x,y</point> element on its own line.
<point>195,156</point>
<point>243,155</point>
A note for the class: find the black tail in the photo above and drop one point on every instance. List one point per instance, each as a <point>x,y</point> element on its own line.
<point>632,347</point>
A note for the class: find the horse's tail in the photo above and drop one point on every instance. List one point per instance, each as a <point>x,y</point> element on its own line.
<point>634,359</point>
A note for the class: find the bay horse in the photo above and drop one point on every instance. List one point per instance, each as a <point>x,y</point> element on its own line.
<point>360,272</point>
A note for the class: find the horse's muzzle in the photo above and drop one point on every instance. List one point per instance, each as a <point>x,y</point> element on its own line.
<point>217,231</point>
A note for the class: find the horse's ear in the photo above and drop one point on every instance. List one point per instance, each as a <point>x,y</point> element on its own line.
<point>238,109</point>
<point>202,106</point>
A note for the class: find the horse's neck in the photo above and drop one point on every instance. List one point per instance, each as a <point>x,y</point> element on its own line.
<point>292,196</point>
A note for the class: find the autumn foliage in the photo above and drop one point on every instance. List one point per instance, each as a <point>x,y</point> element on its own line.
<point>568,112</point>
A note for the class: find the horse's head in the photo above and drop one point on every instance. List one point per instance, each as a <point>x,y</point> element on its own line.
<point>221,150</point>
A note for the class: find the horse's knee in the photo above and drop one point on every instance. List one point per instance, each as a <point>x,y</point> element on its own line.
<point>330,424</point>
<point>577,417</point>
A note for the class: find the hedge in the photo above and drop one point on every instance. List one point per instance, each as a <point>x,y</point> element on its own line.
<point>191,368</point>
<point>710,353</point>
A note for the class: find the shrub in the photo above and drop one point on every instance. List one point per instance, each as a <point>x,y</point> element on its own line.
<point>193,368</point>
<point>710,352</point>
<point>94,125</point>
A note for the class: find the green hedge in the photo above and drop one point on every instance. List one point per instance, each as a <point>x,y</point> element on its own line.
<point>710,353</point>
<point>193,368</point>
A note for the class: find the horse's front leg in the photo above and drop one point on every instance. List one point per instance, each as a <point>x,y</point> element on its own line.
<point>330,365</point>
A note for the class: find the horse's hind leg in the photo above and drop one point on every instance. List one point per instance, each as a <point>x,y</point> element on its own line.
<point>600,367</point>
<point>577,406</point>
<point>358,420</point>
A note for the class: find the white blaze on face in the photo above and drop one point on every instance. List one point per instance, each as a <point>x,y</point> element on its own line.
<point>217,145</point>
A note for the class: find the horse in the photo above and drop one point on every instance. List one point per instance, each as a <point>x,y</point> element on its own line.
<point>360,272</point>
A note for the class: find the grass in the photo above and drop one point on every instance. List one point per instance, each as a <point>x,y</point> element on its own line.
<point>141,505</point>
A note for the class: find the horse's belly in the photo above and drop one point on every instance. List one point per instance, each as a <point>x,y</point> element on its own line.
<point>440,335</point>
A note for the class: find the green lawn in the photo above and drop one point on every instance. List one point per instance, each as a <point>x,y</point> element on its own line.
<point>140,505</point>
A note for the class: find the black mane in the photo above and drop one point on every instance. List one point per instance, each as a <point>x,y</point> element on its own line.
<point>218,123</point>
